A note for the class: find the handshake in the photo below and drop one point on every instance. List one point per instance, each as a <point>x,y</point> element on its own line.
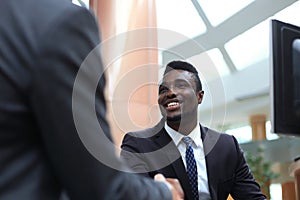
<point>173,184</point>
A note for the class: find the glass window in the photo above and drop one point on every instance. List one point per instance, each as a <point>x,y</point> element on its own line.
<point>179,16</point>
<point>210,64</point>
<point>217,11</point>
<point>270,136</point>
<point>242,134</point>
<point>276,191</point>
<point>250,47</point>
<point>288,14</point>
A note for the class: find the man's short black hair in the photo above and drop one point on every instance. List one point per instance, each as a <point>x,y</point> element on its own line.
<point>182,65</point>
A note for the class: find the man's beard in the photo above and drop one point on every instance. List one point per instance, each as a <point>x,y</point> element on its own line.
<point>176,118</point>
<point>183,117</point>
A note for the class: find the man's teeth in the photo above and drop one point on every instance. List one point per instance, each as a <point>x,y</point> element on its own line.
<point>173,104</point>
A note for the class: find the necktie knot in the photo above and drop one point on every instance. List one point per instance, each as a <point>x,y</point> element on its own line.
<point>187,140</point>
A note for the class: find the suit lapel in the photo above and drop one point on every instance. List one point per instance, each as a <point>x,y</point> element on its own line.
<point>175,159</point>
<point>209,138</point>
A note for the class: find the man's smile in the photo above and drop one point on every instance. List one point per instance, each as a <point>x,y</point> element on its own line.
<point>172,105</point>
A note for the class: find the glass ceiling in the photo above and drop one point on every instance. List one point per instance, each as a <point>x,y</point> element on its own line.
<point>237,32</point>
<point>250,46</point>
<point>172,16</point>
<point>224,9</point>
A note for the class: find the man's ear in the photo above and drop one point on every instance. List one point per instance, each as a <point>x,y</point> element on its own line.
<point>200,96</point>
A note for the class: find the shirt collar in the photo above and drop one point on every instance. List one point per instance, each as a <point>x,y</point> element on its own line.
<point>195,135</point>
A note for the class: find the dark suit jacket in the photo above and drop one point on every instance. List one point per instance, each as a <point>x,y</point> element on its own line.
<point>227,170</point>
<point>42,45</point>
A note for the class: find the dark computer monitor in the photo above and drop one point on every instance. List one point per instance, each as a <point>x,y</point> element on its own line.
<point>285,78</point>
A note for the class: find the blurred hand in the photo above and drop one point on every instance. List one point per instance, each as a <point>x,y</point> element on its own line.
<point>173,185</point>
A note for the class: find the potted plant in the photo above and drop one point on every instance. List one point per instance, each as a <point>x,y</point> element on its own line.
<point>261,170</point>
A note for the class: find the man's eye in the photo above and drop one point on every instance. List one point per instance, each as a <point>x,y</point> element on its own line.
<point>162,90</point>
<point>181,85</point>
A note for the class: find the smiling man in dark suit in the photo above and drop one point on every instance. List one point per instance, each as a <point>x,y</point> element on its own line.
<point>220,166</point>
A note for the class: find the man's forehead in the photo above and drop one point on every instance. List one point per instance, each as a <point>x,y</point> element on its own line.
<point>175,76</point>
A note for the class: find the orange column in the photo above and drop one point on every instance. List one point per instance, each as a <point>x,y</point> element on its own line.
<point>288,191</point>
<point>132,73</point>
<point>258,125</point>
<point>294,171</point>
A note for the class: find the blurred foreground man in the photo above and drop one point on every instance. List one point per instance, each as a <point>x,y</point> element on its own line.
<point>42,45</point>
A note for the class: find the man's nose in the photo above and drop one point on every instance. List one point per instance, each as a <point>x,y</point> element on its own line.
<point>171,92</point>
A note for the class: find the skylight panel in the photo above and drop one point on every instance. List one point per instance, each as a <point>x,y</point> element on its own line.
<point>179,16</point>
<point>289,14</point>
<point>217,11</point>
<point>250,47</point>
<point>210,64</point>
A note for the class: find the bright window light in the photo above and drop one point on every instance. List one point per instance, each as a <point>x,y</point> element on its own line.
<point>179,16</point>
<point>253,45</point>
<point>288,14</point>
<point>242,134</point>
<point>122,14</point>
<point>269,135</point>
<point>84,3</point>
<point>210,64</point>
<point>276,191</point>
<point>250,47</point>
<point>217,11</point>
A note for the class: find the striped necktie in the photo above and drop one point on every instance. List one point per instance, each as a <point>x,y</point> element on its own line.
<point>191,167</point>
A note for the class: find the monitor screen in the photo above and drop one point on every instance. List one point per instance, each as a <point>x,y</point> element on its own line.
<point>285,78</point>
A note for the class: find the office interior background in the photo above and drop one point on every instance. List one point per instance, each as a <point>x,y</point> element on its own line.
<point>228,42</point>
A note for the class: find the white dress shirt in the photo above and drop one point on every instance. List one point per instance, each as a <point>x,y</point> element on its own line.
<point>197,145</point>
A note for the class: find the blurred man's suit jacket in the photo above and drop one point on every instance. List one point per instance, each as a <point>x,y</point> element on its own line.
<point>42,45</point>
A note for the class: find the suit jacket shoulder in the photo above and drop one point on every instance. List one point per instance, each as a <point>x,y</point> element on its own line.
<point>227,170</point>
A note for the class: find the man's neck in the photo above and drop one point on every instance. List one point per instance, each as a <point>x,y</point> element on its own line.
<point>184,128</point>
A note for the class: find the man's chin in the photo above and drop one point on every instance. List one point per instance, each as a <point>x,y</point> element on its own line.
<point>176,118</point>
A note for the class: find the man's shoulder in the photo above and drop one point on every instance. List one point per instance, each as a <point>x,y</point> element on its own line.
<point>47,15</point>
<point>212,137</point>
<point>147,132</point>
<point>213,132</point>
<point>42,8</point>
